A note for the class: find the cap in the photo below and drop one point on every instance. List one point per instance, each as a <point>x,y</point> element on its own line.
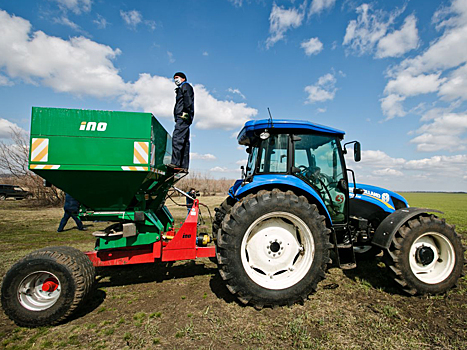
<point>180,74</point>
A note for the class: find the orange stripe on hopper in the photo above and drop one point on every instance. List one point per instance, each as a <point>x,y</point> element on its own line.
<point>144,146</point>
<point>42,154</point>
<point>140,158</point>
<point>36,143</point>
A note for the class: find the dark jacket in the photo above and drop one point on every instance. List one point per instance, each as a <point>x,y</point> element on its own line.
<point>184,101</point>
<point>71,204</point>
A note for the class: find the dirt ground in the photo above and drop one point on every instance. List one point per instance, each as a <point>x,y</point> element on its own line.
<point>186,306</point>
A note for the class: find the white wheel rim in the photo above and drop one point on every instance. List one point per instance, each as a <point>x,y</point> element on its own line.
<point>39,291</point>
<point>277,250</point>
<point>443,261</point>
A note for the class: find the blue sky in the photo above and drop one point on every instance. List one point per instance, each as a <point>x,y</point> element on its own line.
<point>392,74</point>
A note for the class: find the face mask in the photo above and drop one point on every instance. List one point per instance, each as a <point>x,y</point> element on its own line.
<point>178,81</point>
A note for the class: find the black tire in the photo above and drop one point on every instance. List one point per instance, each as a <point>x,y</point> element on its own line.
<point>234,261</point>
<point>221,212</point>
<point>426,256</point>
<point>2,197</point>
<point>69,270</point>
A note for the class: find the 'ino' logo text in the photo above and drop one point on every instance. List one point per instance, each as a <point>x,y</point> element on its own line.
<point>93,126</point>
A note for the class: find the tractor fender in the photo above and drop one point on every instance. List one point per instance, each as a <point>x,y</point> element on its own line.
<point>283,182</point>
<point>393,222</point>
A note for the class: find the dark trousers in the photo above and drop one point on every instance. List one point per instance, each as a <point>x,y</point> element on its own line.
<point>181,144</point>
<point>68,214</point>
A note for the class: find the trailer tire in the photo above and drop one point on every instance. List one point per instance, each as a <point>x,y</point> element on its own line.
<point>426,256</point>
<point>46,286</point>
<point>273,248</point>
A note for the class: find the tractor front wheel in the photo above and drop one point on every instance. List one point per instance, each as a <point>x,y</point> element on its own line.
<point>426,256</point>
<point>47,286</point>
<point>273,248</point>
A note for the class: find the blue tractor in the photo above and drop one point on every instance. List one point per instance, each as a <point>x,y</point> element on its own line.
<point>296,211</point>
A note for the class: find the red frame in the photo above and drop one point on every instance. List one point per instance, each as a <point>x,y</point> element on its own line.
<point>181,247</point>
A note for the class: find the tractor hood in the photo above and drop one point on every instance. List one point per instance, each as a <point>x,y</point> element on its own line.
<point>387,200</point>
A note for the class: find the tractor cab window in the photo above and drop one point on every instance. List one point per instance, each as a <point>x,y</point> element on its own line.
<point>250,166</point>
<point>318,159</point>
<point>273,154</point>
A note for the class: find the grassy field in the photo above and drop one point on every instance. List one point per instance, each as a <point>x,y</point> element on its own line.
<point>187,306</point>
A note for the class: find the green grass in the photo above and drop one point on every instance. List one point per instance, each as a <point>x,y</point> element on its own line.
<point>187,305</point>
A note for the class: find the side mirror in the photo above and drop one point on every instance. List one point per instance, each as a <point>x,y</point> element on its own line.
<point>248,150</point>
<point>357,151</point>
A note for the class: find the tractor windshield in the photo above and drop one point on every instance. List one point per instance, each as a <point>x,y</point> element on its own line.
<point>320,164</point>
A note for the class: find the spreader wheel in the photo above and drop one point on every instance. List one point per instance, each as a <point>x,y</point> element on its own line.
<point>273,248</point>
<point>47,286</point>
<point>426,256</point>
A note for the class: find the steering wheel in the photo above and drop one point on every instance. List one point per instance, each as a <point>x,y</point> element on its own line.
<point>311,173</point>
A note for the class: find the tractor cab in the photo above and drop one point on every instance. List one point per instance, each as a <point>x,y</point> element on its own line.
<point>302,154</point>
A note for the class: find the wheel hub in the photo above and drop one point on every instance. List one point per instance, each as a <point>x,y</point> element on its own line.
<point>39,291</point>
<point>424,255</point>
<point>275,249</point>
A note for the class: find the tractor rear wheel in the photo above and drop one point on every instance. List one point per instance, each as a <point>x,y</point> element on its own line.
<point>273,248</point>
<point>47,286</point>
<point>221,212</point>
<point>426,256</point>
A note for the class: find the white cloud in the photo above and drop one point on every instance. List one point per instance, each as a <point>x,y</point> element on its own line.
<point>242,162</point>
<point>219,169</point>
<point>170,55</point>
<point>6,127</point>
<point>281,20</point>
<point>323,90</point>
<point>400,41</point>
<point>205,53</point>
<point>64,20</point>
<point>312,46</point>
<point>380,159</point>
<point>437,172</point>
<point>318,6</point>
<point>215,114</point>
<point>456,85</point>
<point>439,163</point>
<point>4,81</point>
<point>131,18</point>
<point>78,65</point>
<point>207,156</point>
<point>408,85</point>
<point>77,6</point>
<point>83,67</point>
<point>392,106</point>
<point>441,69</point>
<point>443,133</point>
<point>364,33</point>
<point>237,3</point>
<point>210,113</point>
<point>237,92</point>
<point>388,172</point>
<point>100,22</point>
